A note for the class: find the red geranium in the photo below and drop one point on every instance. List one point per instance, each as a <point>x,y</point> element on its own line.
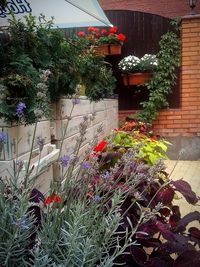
<point>90,29</point>
<point>54,198</point>
<point>113,29</point>
<point>81,34</point>
<point>111,34</point>
<point>121,37</point>
<point>100,146</point>
<point>96,30</point>
<point>104,31</point>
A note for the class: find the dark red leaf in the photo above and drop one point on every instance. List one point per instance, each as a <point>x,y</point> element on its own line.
<point>139,255</point>
<point>150,242</point>
<point>157,262</point>
<point>165,212</point>
<point>189,258</point>
<point>149,228</point>
<point>175,217</point>
<point>185,189</point>
<point>165,195</point>
<point>190,217</point>
<point>166,233</point>
<point>176,211</point>
<point>36,196</point>
<point>180,244</point>
<point>194,232</point>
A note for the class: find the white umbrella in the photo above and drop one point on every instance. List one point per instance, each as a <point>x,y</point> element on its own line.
<point>66,13</point>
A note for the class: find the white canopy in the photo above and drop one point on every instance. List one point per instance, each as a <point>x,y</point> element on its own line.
<point>66,13</point>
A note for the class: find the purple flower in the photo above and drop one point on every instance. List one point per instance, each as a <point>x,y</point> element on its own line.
<point>40,143</point>
<point>20,109</point>
<point>96,198</point>
<point>3,137</point>
<point>76,101</point>
<point>21,222</point>
<point>64,160</point>
<point>106,175</point>
<point>86,165</point>
<point>19,164</point>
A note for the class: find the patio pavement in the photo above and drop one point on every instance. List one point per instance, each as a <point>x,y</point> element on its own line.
<point>190,172</point>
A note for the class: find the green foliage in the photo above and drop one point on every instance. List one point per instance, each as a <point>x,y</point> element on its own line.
<point>35,46</point>
<point>151,149</point>
<point>101,82</point>
<point>164,77</point>
<point>16,225</point>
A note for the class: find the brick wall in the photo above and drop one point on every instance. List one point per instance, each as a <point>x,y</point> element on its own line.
<point>165,8</point>
<point>186,120</point>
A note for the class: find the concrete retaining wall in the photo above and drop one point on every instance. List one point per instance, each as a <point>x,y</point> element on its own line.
<point>19,138</point>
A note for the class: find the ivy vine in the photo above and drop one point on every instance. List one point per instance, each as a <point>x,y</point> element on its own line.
<point>164,77</point>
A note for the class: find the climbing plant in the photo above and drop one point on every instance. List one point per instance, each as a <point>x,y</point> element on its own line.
<point>164,77</point>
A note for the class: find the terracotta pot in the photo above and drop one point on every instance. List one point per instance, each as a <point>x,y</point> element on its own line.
<point>115,49</point>
<point>136,78</point>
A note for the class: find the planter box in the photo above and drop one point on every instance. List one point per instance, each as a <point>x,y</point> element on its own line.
<point>102,50</point>
<point>136,78</point>
<point>108,49</point>
<point>115,49</point>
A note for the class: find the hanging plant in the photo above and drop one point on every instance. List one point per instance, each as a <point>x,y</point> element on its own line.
<point>164,77</point>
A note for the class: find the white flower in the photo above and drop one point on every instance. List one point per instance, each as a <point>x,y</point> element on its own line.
<point>132,63</point>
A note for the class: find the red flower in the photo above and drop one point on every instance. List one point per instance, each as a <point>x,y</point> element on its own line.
<point>90,29</point>
<point>47,200</point>
<point>154,138</point>
<point>113,29</point>
<point>121,37</point>
<point>100,146</point>
<point>104,32</point>
<point>89,194</point>
<point>96,30</point>
<point>111,34</point>
<point>54,198</point>
<point>81,34</point>
<point>123,186</point>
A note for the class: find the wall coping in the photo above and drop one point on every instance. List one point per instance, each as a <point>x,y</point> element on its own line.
<point>190,17</point>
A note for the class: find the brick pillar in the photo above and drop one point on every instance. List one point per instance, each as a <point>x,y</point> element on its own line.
<point>190,96</point>
<point>186,120</point>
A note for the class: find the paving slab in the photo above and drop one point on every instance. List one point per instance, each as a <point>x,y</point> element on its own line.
<point>190,172</point>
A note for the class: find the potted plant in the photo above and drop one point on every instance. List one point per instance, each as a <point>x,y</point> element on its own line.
<point>105,41</point>
<point>136,70</point>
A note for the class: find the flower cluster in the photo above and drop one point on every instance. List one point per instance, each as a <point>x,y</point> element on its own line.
<point>52,199</point>
<point>20,109</point>
<point>132,63</point>
<point>96,36</point>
